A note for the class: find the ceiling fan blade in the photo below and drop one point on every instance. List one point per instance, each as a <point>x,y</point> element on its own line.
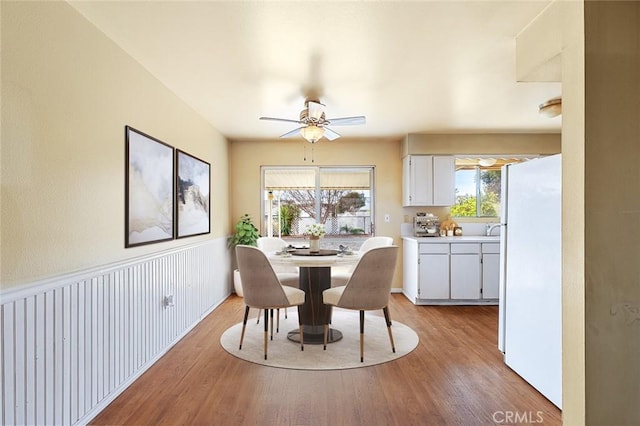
<point>315,109</point>
<point>294,132</point>
<point>330,134</point>
<point>280,119</point>
<point>347,121</point>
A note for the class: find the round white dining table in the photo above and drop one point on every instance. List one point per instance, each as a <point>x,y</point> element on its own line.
<point>314,278</point>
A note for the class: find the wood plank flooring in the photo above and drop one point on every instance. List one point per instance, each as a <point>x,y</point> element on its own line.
<point>456,376</point>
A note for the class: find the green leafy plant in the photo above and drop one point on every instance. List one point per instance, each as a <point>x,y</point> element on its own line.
<point>246,233</point>
<point>289,213</point>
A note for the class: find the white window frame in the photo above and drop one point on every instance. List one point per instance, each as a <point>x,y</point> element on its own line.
<point>521,157</point>
<point>318,170</point>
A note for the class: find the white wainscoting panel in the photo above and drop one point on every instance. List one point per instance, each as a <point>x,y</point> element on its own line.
<point>71,344</point>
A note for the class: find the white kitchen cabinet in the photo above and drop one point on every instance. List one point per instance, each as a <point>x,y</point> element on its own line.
<point>444,181</point>
<point>490,270</point>
<point>439,271</point>
<point>433,271</point>
<point>410,264</point>
<point>466,271</point>
<point>417,180</point>
<point>428,180</point>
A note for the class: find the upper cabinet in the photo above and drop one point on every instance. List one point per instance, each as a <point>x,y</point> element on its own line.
<point>428,180</point>
<point>417,180</point>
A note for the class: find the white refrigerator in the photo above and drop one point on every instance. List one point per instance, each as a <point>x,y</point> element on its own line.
<point>530,307</point>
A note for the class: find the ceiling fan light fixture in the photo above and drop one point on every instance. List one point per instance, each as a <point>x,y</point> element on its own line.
<point>312,133</point>
<point>315,125</point>
<point>551,108</point>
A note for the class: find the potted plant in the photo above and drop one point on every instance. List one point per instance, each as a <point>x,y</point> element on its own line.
<point>246,233</point>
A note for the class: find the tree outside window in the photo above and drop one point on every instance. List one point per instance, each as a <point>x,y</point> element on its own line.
<point>477,192</point>
<point>479,183</point>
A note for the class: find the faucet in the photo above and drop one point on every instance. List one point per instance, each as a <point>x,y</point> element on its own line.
<point>492,227</point>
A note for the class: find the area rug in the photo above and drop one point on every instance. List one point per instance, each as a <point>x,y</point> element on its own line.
<point>343,354</point>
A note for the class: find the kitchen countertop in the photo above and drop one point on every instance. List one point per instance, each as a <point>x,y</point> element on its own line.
<point>461,239</point>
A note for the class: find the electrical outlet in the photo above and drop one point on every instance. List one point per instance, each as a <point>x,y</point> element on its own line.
<point>387,218</point>
<point>167,302</point>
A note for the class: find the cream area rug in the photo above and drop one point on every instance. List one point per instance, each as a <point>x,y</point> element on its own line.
<point>343,354</point>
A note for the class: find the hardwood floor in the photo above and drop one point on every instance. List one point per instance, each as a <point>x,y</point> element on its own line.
<point>456,376</point>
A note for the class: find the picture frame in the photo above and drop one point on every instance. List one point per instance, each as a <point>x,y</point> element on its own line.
<point>149,189</point>
<point>193,185</point>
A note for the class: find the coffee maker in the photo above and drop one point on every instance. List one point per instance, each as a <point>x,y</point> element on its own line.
<point>426,225</point>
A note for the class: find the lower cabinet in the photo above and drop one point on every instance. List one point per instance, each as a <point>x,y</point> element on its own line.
<point>466,274</point>
<point>451,273</point>
<point>433,272</point>
<point>490,270</point>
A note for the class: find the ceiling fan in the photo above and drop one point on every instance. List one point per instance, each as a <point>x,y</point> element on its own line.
<point>314,123</point>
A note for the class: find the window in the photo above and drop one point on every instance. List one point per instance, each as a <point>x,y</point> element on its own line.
<point>341,198</point>
<point>478,186</point>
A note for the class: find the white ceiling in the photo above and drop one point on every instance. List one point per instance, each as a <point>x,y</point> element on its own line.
<point>408,66</point>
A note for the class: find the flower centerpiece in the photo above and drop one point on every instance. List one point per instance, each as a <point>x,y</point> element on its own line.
<point>315,231</point>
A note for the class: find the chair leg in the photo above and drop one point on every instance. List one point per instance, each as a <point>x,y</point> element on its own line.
<point>278,325</point>
<point>244,326</point>
<point>300,327</point>
<point>271,312</point>
<point>361,336</point>
<point>266,331</point>
<point>388,320</point>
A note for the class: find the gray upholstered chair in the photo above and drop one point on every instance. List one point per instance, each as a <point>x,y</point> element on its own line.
<point>340,277</point>
<point>263,290</point>
<point>287,274</point>
<point>368,289</point>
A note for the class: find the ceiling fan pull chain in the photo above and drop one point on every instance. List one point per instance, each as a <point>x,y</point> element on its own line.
<point>312,157</point>
<point>305,153</point>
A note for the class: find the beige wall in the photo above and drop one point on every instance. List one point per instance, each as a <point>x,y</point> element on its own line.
<point>67,93</point>
<point>483,143</point>
<point>573,172</point>
<point>612,212</point>
<point>601,208</point>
